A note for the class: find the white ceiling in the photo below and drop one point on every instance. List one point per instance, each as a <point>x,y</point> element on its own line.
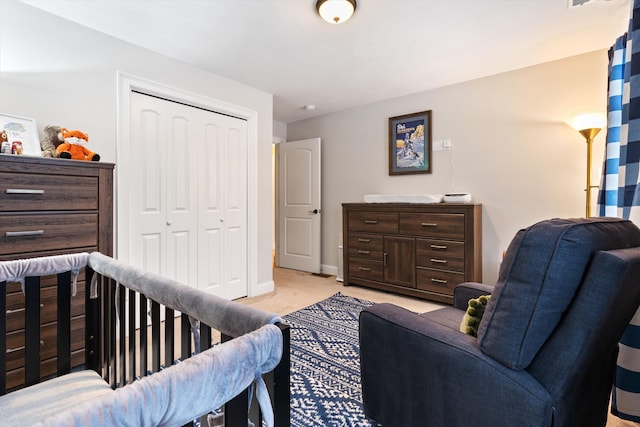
<point>389,48</point>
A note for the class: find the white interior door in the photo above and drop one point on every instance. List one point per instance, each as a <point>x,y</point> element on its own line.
<point>299,208</point>
<point>187,195</point>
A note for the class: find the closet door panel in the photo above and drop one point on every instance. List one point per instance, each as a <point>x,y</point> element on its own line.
<point>235,178</point>
<point>182,198</point>
<point>147,211</point>
<point>210,219</point>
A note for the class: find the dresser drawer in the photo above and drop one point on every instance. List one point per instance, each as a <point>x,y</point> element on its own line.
<point>442,282</point>
<point>41,232</point>
<point>365,269</point>
<point>441,254</point>
<point>48,306</point>
<point>48,342</point>
<point>374,222</point>
<point>36,192</point>
<point>365,246</point>
<point>449,226</point>
<point>48,368</point>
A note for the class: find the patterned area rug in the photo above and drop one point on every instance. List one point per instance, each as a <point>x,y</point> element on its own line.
<point>325,367</point>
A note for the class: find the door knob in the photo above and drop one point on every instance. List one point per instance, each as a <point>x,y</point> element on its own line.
<point>315,211</point>
<point>169,222</point>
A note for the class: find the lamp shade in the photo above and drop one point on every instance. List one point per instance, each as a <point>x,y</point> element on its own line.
<point>589,121</point>
<point>336,11</point>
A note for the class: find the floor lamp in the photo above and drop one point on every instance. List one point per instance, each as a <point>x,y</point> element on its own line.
<point>589,125</point>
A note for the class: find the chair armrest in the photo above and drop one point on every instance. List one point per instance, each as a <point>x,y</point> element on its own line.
<point>467,290</point>
<point>414,369</point>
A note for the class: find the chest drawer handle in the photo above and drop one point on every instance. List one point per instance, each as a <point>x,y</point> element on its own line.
<point>364,252</point>
<point>13,350</point>
<point>364,268</point>
<point>370,221</point>
<point>429,224</point>
<point>22,191</point>
<point>438,261</point>
<point>364,240</point>
<point>438,247</point>
<point>444,282</point>
<point>19,310</point>
<point>23,233</point>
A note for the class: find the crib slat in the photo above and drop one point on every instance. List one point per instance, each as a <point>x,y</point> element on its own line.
<point>132,335</point>
<point>169,342</point>
<point>185,336</point>
<point>155,336</point>
<point>111,334</point>
<point>32,330</point>
<point>122,341</point>
<point>144,354</point>
<point>205,337</point>
<point>64,323</point>
<point>3,342</point>
<point>92,329</point>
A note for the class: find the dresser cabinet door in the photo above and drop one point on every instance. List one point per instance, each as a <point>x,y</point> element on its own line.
<point>399,261</point>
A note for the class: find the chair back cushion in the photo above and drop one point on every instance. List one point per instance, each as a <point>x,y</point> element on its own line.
<point>543,267</point>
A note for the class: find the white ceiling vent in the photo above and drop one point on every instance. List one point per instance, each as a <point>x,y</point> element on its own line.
<point>576,3</point>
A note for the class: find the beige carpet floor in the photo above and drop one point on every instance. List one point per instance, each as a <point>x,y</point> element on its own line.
<point>296,289</point>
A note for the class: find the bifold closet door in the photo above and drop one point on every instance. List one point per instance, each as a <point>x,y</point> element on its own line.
<point>186,186</point>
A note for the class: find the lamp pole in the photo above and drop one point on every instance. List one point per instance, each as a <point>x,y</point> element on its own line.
<point>589,134</point>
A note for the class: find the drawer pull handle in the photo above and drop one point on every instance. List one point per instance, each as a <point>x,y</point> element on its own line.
<point>429,224</point>
<point>438,247</point>
<point>13,350</point>
<point>22,191</point>
<point>439,261</point>
<point>364,240</point>
<point>19,310</point>
<point>364,252</point>
<point>444,282</point>
<point>23,233</point>
<point>370,221</point>
<point>364,268</point>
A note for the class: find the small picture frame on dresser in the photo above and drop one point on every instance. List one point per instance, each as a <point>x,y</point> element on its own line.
<point>22,135</point>
<point>410,143</point>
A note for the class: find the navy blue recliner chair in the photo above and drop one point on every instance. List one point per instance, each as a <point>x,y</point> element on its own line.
<point>546,348</point>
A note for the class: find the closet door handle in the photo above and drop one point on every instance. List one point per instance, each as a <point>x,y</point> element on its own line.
<point>23,233</point>
<point>23,191</point>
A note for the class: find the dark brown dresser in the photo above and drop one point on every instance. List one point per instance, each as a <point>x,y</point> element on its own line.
<point>422,250</point>
<point>51,207</point>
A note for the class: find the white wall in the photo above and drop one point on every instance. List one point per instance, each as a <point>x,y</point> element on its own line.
<point>511,149</point>
<point>63,74</point>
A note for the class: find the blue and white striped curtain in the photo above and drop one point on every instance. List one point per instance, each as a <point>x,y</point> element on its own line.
<point>620,191</point>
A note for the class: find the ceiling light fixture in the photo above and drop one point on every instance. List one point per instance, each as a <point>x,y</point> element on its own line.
<point>336,11</point>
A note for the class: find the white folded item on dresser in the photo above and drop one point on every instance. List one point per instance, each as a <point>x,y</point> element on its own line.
<point>403,198</point>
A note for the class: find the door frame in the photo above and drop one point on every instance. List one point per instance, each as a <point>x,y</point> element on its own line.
<point>126,83</point>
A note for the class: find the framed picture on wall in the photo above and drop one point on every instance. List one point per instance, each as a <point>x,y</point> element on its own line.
<point>22,135</point>
<point>410,143</point>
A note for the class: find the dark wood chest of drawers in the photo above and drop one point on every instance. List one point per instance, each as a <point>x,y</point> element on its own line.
<point>423,250</point>
<point>51,207</point>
